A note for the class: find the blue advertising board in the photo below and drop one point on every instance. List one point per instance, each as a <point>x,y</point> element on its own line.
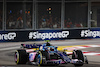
<point>91,33</point>
<point>36,35</point>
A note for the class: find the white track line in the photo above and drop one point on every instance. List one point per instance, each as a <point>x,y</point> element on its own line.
<point>11,48</point>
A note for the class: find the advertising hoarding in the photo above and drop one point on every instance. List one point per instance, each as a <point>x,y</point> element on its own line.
<point>36,35</point>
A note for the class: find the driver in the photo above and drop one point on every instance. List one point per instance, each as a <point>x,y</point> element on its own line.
<point>48,44</point>
<point>51,49</point>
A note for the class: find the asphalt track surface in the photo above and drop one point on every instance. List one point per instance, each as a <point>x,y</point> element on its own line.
<point>7,52</point>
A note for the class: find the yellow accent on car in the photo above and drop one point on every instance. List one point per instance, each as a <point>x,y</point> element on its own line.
<point>41,58</point>
<point>17,57</point>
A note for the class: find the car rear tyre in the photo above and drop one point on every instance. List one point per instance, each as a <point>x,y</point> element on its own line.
<point>21,57</point>
<point>45,54</point>
<point>78,54</point>
<point>39,59</point>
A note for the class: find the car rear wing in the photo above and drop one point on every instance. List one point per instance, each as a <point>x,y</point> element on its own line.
<point>29,46</point>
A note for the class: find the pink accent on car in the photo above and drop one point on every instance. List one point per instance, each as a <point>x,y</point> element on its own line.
<point>58,60</point>
<point>62,62</point>
<point>53,60</point>
<point>32,56</point>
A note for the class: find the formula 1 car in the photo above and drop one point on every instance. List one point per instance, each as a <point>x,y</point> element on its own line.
<point>46,54</point>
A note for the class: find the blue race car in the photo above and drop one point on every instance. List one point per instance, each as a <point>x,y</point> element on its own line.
<point>46,54</point>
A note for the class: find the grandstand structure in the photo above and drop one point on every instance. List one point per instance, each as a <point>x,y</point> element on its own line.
<point>31,20</point>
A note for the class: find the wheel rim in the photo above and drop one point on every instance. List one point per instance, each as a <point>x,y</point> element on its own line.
<point>38,59</point>
<point>16,57</point>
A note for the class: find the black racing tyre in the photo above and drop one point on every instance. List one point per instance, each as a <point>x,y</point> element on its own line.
<point>39,59</point>
<point>45,54</point>
<point>86,60</point>
<point>78,54</point>
<point>21,57</point>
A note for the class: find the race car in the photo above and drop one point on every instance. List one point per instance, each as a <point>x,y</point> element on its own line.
<point>46,54</point>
